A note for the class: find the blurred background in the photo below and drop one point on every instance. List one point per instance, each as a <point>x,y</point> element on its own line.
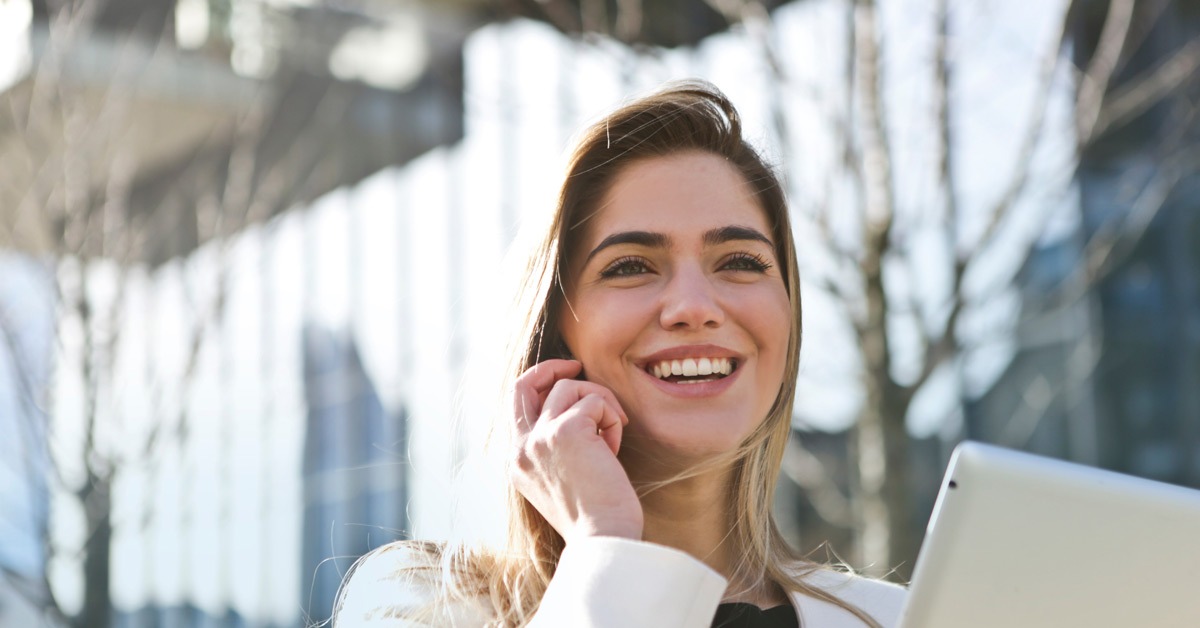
<point>248,249</point>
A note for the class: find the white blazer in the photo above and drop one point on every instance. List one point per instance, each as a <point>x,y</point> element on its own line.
<point>606,582</point>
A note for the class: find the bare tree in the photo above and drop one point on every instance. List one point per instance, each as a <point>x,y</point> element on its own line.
<point>887,529</point>
<point>875,280</point>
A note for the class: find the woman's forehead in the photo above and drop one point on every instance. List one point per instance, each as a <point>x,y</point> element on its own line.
<point>682,196</point>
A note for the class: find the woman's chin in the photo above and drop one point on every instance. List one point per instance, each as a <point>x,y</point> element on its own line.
<point>671,450</point>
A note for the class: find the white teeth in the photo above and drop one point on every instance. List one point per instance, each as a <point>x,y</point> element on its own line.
<point>692,367</point>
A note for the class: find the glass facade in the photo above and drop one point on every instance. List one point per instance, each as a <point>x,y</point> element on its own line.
<point>26,350</point>
<point>1128,371</point>
<point>355,468</point>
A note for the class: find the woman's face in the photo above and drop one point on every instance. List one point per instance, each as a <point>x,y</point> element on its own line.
<point>677,304</point>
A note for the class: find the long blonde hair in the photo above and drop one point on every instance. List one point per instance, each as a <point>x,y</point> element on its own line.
<point>684,116</point>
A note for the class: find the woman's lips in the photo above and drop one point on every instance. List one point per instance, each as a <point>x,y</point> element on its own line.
<point>692,370</point>
<point>694,387</point>
<point>692,367</point>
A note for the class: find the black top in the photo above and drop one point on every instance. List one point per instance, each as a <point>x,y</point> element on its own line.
<point>743,615</point>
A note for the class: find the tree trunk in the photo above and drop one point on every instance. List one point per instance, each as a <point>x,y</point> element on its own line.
<point>898,487</point>
<point>95,495</point>
<point>886,536</point>
<point>880,442</point>
<point>871,509</point>
<point>97,608</point>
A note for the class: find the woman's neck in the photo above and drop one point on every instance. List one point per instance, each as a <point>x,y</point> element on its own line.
<point>693,515</point>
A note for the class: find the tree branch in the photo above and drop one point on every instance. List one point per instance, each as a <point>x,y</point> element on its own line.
<point>1116,241</point>
<point>809,473</point>
<point>942,116</point>
<point>939,347</point>
<point>1038,397</point>
<point>1093,84</point>
<point>879,205</point>
<point>1143,92</point>
<point>1016,186</point>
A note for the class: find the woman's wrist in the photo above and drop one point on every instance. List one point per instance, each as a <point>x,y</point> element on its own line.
<point>631,530</point>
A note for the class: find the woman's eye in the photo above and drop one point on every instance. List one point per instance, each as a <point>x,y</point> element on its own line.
<point>625,267</point>
<point>746,261</point>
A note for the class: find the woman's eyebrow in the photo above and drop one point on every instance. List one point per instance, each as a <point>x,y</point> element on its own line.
<point>722,235</point>
<point>648,239</point>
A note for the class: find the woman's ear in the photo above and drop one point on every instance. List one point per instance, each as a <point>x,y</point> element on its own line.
<point>557,350</point>
<point>562,350</point>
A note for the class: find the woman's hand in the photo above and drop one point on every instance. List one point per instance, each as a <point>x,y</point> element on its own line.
<point>565,463</point>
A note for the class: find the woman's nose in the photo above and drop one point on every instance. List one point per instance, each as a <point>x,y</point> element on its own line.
<point>690,301</point>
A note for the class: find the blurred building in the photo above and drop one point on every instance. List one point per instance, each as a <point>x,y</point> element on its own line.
<point>355,468</point>
<point>281,177</point>
<point>1148,374</point>
<point>26,348</point>
<point>324,192</point>
<point>297,97</point>
<point>184,615</point>
<point>181,116</point>
<point>1108,370</point>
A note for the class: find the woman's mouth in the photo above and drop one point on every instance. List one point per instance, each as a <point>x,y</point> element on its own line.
<point>692,370</point>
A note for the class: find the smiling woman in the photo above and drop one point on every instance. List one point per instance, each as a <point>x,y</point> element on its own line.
<point>652,383</point>
<point>680,273</point>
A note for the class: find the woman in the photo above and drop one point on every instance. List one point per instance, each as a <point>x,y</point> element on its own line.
<point>653,382</point>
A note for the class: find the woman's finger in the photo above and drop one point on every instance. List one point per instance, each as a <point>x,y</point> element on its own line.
<point>610,427</point>
<point>599,416</point>
<point>532,387</point>
<point>566,393</point>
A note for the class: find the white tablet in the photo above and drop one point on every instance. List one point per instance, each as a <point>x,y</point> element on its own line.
<point>1021,540</point>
